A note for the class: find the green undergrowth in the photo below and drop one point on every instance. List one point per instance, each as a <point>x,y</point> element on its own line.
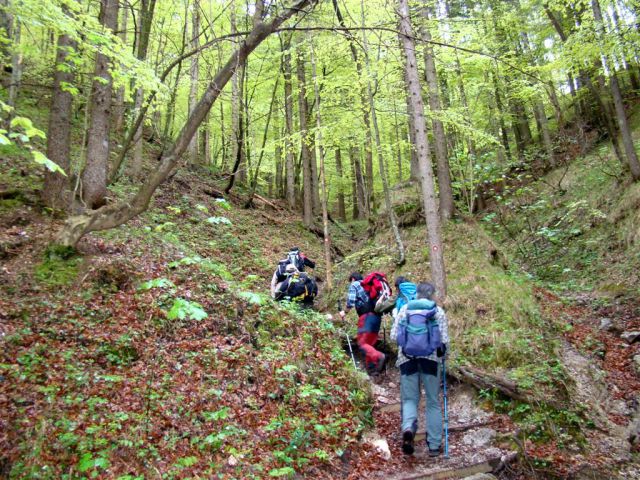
<point>159,349</point>
<point>495,322</point>
<point>577,228</point>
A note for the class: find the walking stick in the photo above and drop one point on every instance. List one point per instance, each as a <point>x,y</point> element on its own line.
<point>446,408</point>
<point>353,359</point>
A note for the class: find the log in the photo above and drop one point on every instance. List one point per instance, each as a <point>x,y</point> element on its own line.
<point>486,381</point>
<point>264,200</point>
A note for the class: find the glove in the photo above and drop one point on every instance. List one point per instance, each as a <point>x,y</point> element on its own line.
<point>441,351</point>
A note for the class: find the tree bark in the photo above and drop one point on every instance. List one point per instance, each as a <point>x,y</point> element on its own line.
<point>368,186</point>
<point>55,191</point>
<point>116,214</point>
<point>436,257</point>
<point>342,211</point>
<point>305,150</point>
<point>119,108</point>
<point>288,116</point>
<point>439,136</point>
<point>541,118</point>
<point>237,108</point>
<point>94,176</point>
<point>323,183</point>
<point>361,203</point>
<point>17,59</point>
<point>147,8</point>
<point>393,221</point>
<point>194,76</point>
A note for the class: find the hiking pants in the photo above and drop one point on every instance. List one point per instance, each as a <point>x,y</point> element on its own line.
<point>368,328</point>
<point>410,398</point>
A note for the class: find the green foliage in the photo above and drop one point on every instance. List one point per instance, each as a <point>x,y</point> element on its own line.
<point>59,268</point>
<point>157,283</point>
<point>184,309</point>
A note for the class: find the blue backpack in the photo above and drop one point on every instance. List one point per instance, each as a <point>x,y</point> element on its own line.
<point>419,333</point>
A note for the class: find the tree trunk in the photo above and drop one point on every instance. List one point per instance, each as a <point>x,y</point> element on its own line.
<point>342,211</point>
<point>621,116</point>
<point>436,257</point>
<point>354,194</point>
<point>278,173</point>
<point>541,118</point>
<point>305,151</point>
<point>354,155</point>
<point>439,136</point>
<point>393,221</point>
<point>194,76</point>
<point>147,8</point>
<point>288,116</point>
<point>315,177</point>
<point>119,107</point>
<point>323,183</point>
<point>116,214</point>
<point>414,165</point>
<point>17,58</point>
<point>254,182</point>
<point>500,107</point>
<point>368,186</point>
<point>55,191</point>
<point>398,136</point>
<point>237,108</point>
<point>94,176</point>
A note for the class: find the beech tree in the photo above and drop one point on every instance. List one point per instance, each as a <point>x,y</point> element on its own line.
<point>118,213</point>
<point>414,91</point>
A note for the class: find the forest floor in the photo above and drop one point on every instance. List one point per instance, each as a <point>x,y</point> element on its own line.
<point>155,350</point>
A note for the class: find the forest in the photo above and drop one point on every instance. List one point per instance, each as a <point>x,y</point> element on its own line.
<point>159,158</point>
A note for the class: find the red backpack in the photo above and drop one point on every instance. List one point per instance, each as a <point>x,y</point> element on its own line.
<point>376,286</point>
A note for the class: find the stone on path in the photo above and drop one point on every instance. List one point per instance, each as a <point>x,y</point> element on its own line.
<point>630,337</point>
<point>379,443</point>
<point>482,437</point>
<point>636,363</point>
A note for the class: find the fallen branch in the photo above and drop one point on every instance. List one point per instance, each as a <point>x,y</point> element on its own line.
<point>486,381</point>
<point>264,200</point>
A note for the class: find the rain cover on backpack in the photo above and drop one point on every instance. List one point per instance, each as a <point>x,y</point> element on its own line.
<point>419,333</point>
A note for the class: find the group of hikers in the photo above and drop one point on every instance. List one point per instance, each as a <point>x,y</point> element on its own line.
<point>420,328</point>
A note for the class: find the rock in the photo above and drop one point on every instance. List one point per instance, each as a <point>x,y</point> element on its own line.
<point>383,447</point>
<point>380,444</point>
<point>630,337</point>
<point>481,476</point>
<point>479,438</point>
<point>462,407</point>
<point>636,363</point>
<point>610,325</point>
<point>620,407</point>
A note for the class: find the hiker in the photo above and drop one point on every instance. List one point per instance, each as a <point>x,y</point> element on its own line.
<point>406,291</point>
<point>418,360</point>
<point>294,257</point>
<point>297,287</point>
<point>368,322</point>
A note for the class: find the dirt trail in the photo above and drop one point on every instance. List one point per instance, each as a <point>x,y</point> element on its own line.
<point>481,443</point>
<point>477,438</point>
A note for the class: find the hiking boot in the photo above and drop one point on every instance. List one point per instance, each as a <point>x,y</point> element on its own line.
<point>407,442</point>
<point>435,452</point>
<point>380,363</point>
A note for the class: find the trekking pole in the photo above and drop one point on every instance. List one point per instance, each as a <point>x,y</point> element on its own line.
<point>446,408</point>
<point>353,359</point>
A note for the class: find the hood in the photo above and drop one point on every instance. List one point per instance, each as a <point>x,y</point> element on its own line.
<point>421,304</point>
<point>408,289</point>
